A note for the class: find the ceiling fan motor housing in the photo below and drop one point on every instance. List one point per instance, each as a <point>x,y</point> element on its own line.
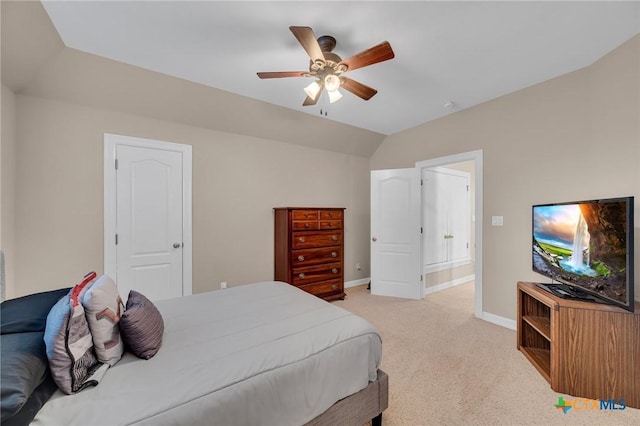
<point>327,67</point>
<point>327,43</point>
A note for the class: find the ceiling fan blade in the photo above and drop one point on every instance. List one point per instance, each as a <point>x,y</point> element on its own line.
<point>380,53</point>
<point>362,91</point>
<point>281,74</point>
<point>310,101</point>
<point>309,42</point>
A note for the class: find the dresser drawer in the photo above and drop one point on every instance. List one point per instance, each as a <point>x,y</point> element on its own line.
<point>305,214</point>
<point>311,239</point>
<point>331,215</point>
<point>325,287</point>
<point>308,257</point>
<point>330,224</point>
<point>311,274</point>
<point>305,225</point>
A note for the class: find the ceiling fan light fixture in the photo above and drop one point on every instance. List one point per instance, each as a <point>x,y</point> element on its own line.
<point>313,90</point>
<point>334,96</point>
<point>332,83</point>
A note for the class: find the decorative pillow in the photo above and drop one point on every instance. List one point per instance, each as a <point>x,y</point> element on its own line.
<point>28,313</point>
<point>103,307</point>
<point>69,345</point>
<point>142,326</point>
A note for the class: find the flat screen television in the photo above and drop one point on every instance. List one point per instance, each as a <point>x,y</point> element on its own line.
<point>587,247</point>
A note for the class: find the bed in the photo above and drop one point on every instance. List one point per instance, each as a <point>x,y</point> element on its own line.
<point>260,354</point>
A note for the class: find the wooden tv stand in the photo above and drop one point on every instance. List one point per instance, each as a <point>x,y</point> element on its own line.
<point>583,349</point>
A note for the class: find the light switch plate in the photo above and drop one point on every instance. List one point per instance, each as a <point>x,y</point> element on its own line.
<point>497,220</point>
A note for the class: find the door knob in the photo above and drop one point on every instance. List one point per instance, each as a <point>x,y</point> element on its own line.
<point>176,245</point>
<point>374,239</point>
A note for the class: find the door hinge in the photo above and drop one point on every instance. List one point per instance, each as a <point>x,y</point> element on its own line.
<point>116,239</point>
<point>467,188</point>
<point>421,229</point>
<point>467,245</point>
<point>421,182</point>
<point>421,276</point>
<point>116,163</point>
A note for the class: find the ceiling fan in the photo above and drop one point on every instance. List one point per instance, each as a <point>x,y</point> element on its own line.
<point>327,68</point>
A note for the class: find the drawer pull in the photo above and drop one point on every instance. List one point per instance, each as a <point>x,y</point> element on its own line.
<point>301,258</point>
<point>334,287</point>
<point>334,270</point>
<point>301,239</point>
<point>334,254</point>
<point>302,276</point>
<point>306,225</point>
<point>334,238</point>
<point>306,215</point>
<point>330,214</point>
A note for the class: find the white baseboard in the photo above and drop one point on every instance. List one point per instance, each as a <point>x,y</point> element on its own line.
<point>354,283</point>
<point>448,284</point>
<point>501,321</point>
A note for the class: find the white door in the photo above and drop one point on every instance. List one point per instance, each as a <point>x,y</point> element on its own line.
<point>459,217</point>
<point>395,233</point>
<point>434,222</point>
<point>446,216</point>
<point>150,237</point>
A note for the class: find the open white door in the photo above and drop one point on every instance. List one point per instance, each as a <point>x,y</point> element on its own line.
<point>396,258</point>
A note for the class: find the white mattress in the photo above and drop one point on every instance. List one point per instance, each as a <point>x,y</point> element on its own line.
<point>260,354</point>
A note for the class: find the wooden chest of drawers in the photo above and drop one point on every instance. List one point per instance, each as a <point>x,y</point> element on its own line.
<point>309,248</point>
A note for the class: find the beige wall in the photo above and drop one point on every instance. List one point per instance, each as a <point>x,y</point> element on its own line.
<point>570,138</point>
<point>237,180</point>
<point>7,187</point>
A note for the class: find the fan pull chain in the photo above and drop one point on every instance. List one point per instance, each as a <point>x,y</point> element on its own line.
<point>325,113</point>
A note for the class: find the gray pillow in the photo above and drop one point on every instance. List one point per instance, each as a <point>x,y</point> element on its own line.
<point>22,354</point>
<point>24,368</point>
<point>141,326</point>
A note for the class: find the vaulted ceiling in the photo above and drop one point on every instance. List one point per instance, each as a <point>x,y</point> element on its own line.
<point>464,53</point>
<point>195,62</point>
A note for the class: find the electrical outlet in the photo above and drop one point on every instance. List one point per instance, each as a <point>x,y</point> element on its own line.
<point>358,267</point>
<point>223,284</point>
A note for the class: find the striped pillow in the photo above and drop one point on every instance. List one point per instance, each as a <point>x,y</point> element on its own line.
<point>141,326</point>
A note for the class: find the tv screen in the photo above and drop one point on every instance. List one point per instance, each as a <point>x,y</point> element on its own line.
<point>588,246</point>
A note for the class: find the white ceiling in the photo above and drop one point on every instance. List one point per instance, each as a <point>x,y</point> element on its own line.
<point>464,52</point>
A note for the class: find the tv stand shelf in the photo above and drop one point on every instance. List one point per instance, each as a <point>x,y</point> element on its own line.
<point>582,349</point>
<point>541,324</point>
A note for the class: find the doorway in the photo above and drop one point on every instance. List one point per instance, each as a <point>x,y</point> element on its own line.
<point>447,218</point>
<point>458,269</point>
<point>397,262</point>
<point>147,241</point>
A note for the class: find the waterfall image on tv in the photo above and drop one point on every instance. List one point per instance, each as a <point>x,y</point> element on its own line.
<point>586,245</point>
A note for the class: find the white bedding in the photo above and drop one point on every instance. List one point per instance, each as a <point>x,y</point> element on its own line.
<point>260,354</point>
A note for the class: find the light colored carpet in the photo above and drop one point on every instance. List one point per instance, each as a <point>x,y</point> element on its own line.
<point>447,367</point>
